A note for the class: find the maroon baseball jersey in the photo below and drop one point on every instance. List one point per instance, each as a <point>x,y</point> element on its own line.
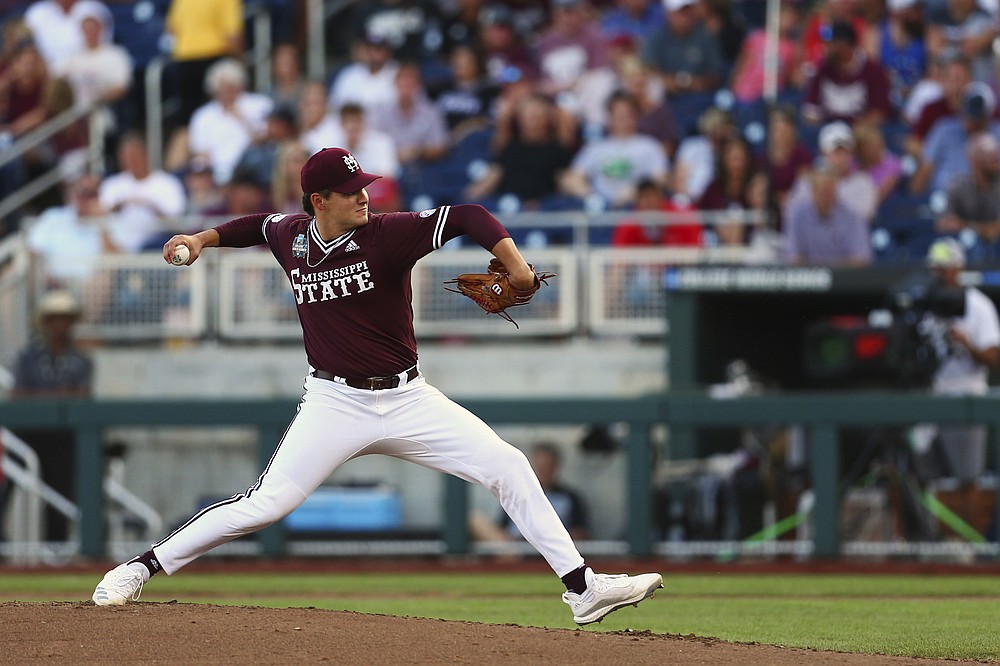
<point>353,293</point>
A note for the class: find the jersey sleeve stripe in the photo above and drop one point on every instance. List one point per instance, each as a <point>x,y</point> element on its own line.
<point>275,217</point>
<point>439,228</point>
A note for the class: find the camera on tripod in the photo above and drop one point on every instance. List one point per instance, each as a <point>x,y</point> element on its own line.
<point>899,346</point>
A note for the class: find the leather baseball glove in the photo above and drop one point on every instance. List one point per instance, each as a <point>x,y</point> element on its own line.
<point>493,292</point>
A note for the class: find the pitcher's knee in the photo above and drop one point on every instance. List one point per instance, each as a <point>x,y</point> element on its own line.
<point>260,511</point>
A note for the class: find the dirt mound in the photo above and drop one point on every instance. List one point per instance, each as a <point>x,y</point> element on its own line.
<point>145,632</point>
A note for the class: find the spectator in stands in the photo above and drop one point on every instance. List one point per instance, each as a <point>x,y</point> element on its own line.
<point>965,26</point>
<point>203,194</point>
<point>260,155</point>
<point>318,127</point>
<point>287,80</point>
<point>574,61</point>
<point>972,353</point>
<point>286,186</point>
<point>611,167</point>
<point>56,27</point>
<point>23,84</point>
<point>528,17</point>
<point>855,188</point>
<point>416,126</point>
<point>956,75</point>
<point>747,79</point>
<point>848,85</point>
<point>53,366</point>
<point>530,165</point>
<point>151,200</point>
<point>507,58</point>
<point>974,197</point>
<point>67,241</point>
<point>820,228</point>
<point>140,28</point>
<point>377,151</point>
<point>461,24</point>
<point>243,195</point>
<point>567,126</point>
<point>412,29</point>
<point>370,79</point>
<point>223,128</point>
<point>875,159</point>
<point>726,26</point>
<point>736,188</point>
<point>101,73</point>
<point>632,18</point>
<point>944,155</point>
<point>204,32</point>
<point>785,157</point>
<point>696,155</point>
<point>545,461</point>
<point>816,34</point>
<point>901,48</point>
<point>684,52</point>
<point>656,119</point>
<point>466,101</point>
<point>682,228</point>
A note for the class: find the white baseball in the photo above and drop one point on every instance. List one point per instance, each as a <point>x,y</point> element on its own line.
<point>181,255</point>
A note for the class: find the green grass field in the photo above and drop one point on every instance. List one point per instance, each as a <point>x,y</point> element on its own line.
<point>940,616</point>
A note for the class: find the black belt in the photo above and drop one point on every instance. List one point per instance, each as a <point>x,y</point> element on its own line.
<point>368,383</point>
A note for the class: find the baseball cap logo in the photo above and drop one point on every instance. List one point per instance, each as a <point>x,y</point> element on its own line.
<point>334,169</point>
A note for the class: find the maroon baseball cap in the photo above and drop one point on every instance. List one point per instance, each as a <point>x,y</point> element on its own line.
<point>334,169</point>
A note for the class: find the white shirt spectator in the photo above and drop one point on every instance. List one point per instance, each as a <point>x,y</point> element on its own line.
<point>615,165</point>
<point>94,73</point>
<point>959,373</point>
<point>57,32</point>
<point>70,247</point>
<point>222,137</point>
<point>356,83</point>
<point>158,195</point>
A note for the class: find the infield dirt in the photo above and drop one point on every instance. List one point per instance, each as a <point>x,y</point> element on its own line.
<point>161,633</point>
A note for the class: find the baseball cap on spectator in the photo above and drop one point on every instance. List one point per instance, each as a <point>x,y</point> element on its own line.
<point>841,31</point>
<point>58,303</point>
<point>946,253</point>
<point>334,169</point>
<point>835,135</point>
<point>674,5</point>
<point>978,101</point>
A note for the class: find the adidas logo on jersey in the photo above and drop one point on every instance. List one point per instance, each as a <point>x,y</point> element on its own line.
<point>352,246</point>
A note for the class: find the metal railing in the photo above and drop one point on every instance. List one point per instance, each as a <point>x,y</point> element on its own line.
<point>30,496</point>
<point>38,136</point>
<point>244,295</point>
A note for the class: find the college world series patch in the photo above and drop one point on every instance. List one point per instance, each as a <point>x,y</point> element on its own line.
<point>299,246</point>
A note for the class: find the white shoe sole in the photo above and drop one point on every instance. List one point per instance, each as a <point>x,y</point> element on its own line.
<point>600,614</point>
<point>101,598</point>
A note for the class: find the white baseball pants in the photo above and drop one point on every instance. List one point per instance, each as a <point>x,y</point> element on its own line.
<point>415,422</point>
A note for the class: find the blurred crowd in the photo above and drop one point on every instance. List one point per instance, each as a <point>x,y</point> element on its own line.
<point>881,111</point>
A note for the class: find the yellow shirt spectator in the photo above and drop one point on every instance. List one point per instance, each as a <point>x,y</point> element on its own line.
<point>205,28</point>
